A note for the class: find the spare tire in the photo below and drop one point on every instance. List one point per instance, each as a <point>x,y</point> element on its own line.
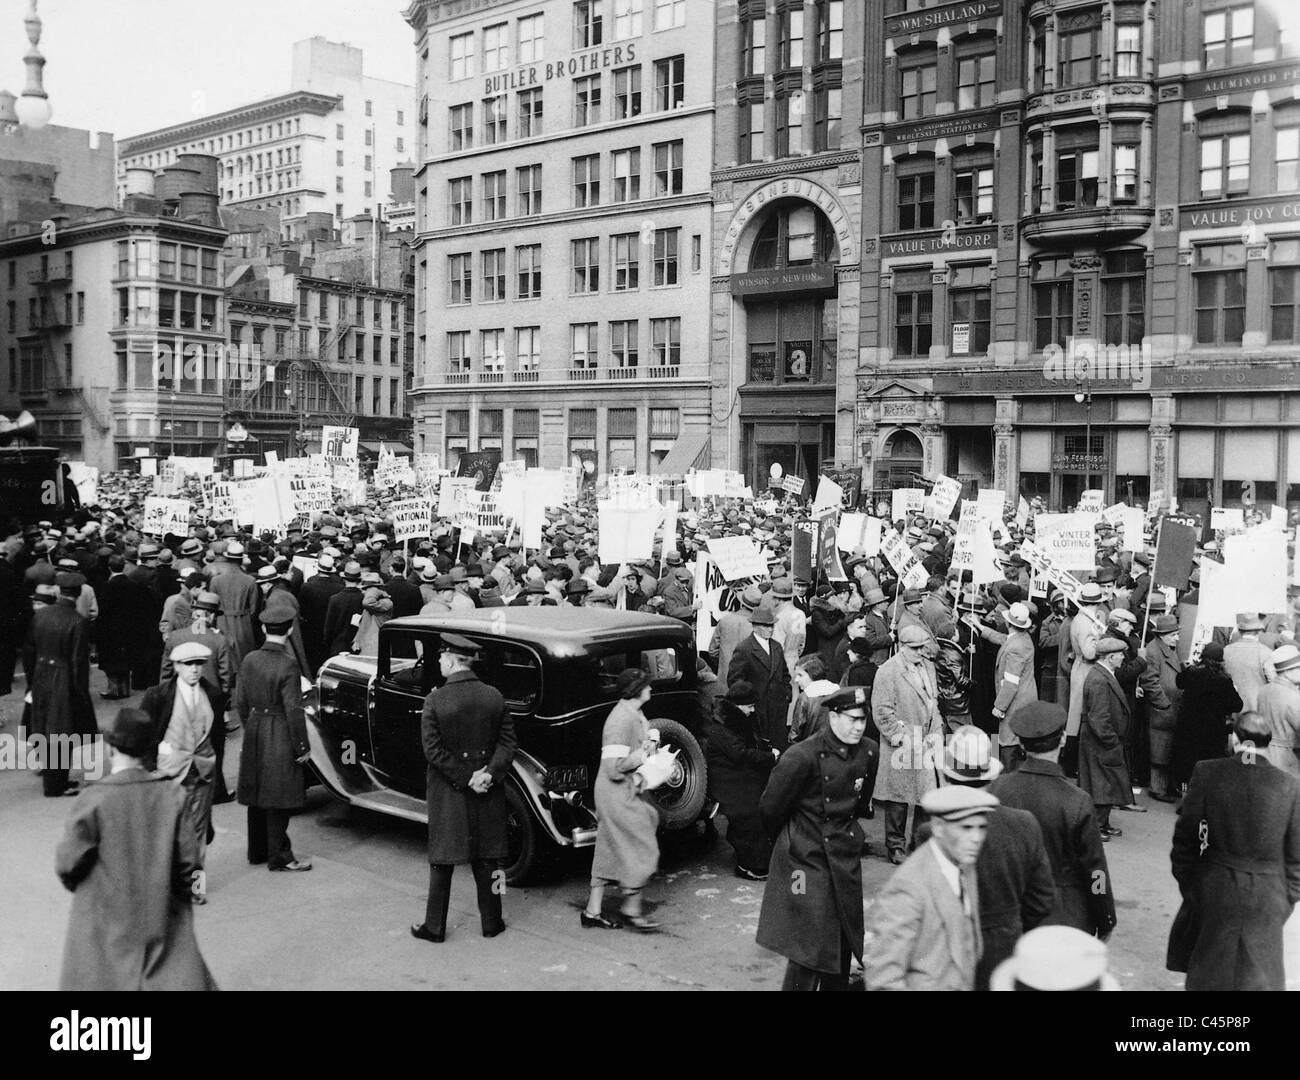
<point>681,797</point>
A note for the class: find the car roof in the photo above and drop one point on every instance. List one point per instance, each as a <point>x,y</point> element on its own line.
<point>564,627</point>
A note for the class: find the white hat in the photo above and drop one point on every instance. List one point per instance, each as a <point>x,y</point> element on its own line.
<point>234,550</point>
<point>189,650</point>
<point>1018,616</point>
<point>1055,958</point>
<point>969,756</point>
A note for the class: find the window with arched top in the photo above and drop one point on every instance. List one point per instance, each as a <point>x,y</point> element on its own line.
<point>793,233</point>
<point>903,445</point>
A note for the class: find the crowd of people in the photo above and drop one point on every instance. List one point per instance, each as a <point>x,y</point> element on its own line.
<point>998,730</point>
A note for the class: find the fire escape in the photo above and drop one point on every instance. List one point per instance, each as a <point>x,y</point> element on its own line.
<point>304,373</point>
<point>52,323</point>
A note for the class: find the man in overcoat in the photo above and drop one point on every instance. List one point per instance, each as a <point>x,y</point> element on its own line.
<point>1246,659</point>
<point>1236,857</point>
<point>1015,685</point>
<point>313,600</point>
<point>1105,719</point>
<point>812,903</point>
<point>56,658</point>
<point>268,698</point>
<point>1279,704</point>
<point>129,863</point>
<point>239,601</point>
<point>1086,628</point>
<point>123,628</point>
<point>905,709</point>
<point>343,614</point>
<point>1160,694</point>
<point>925,924</point>
<point>758,660</point>
<point>1085,898</point>
<point>469,743</point>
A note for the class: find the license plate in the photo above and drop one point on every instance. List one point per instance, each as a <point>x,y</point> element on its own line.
<point>566,778</point>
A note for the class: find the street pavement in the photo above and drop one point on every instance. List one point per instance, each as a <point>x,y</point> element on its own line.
<point>344,924</point>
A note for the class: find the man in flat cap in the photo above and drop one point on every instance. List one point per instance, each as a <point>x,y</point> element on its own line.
<point>187,711</point>
<point>905,708</point>
<point>469,743</point>
<point>268,697</point>
<point>925,922</point>
<point>1104,723</point>
<point>56,657</point>
<point>812,903</point>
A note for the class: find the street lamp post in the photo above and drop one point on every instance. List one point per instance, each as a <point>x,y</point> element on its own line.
<point>1083,396</point>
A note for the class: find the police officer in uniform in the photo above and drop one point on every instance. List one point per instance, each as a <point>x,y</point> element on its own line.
<point>812,905</point>
<point>469,743</point>
<point>268,697</point>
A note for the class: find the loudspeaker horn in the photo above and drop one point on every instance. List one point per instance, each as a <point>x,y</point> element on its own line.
<point>13,430</point>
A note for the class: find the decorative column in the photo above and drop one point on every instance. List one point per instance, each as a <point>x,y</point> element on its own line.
<point>932,439</point>
<point>1006,465</point>
<point>1161,435</point>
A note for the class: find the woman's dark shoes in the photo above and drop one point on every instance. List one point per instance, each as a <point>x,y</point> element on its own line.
<point>425,934</point>
<point>1110,833</point>
<point>589,922</point>
<point>295,867</point>
<point>640,923</point>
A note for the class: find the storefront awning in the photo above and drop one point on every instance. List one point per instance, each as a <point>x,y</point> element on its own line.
<point>690,451</point>
<point>391,447</point>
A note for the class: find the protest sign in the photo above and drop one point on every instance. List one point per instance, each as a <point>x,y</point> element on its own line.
<point>828,554</point>
<point>860,534</point>
<point>169,479</point>
<point>307,565</point>
<point>86,479</point>
<point>906,500</point>
<point>1175,546</point>
<point>626,534</point>
<point>1111,515</point>
<point>710,588</point>
<point>1022,512</point>
<point>450,495</point>
<point>1227,519</point>
<point>738,558</point>
<point>802,540</point>
<point>1256,565</point>
<point>829,494</point>
<point>312,496</point>
<point>339,442</point>
<point>973,550</point>
<point>910,572</point>
<point>944,495</point>
<point>1044,568</point>
<point>1068,540</point>
<point>793,485</point>
<point>1131,523</point>
<point>1090,502</point>
<point>992,502</point>
<point>393,470</point>
<point>412,519</point>
<point>849,480</point>
<point>162,516</point>
<point>477,510</point>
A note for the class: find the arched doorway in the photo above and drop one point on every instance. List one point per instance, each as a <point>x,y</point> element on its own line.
<point>902,461</point>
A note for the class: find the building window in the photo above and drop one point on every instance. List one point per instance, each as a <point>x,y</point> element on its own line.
<point>460,278</point>
<point>338,131</point>
<point>830,30</point>
<point>970,303</point>
<point>493,345</point>
<point>1123,297</point>
<point>494,119</point>
<point>1219,274</point>
<point>913,313</point>
<point>458,359</point>
<point>669,14</point>
<point>627,92</point>
<point>587,24</point>
<point>532,38</point>
<point>665,257</point>
<point>167,261</point>
<point>790,37</point>
<point>530,113</point>
<point>620,439</point>
<point>367,189</point>
<point>1286,159</point>
<point>586,101</point>
<point>918,88</point>
<point>666,342</point>
<point>1076,55</point>
<point>322,307</point>
<point>751,131</point>
<point>528,181</point>
<point>494,196</point>
<point>528,348</point>
<point>338,184</point>
<point>625,169</point>
<point>625,255</point>
<point>793,237</point>
<point>916,201</point>
<point>789,124</point>
<point>586,180</point>
<point>973,194</point>
<point>1284,291</point>
<point>401,118</point>
<point>1052,299</point>
<point>753,46</point>
<point>668,168</point>
<point>1225,166</point>
<point>462,59</point>
<point>586,265</point>
<point>697,249</point>
<point>977,81</point>
<point>81,308</point>
<point>368,163</point>
<point>528,268</point>
<point>394,346</point>
<point>1076,178</point>
<point>627,18</point>
<point>460,200</point>
<point>827,114</point>
<point>670,83</point>
<point>623,344</point>
<point>584,338</point>
<point>494,274</point>
<point>1125,187</point>
<point>1128,52</point>
<point>496,47</point>
<point>1229,37</point>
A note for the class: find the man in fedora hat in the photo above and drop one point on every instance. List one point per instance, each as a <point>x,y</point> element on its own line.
<point>125,606</point>
<point>1055,958</point>
<point>1086,629</point>
<point>1246,660</point>
<point>129,860</point>
<point>1016,889</point>
<point>1105,719</point>
<point>1279,704</point>
<point>239,601</point>
<point>925,922</point>
<point>343,615</point>
<point>758,660</point>
<point>268,697</point>
<point>313,603</point>
<point>271,581</point>
<point>1014,681</point>
<point>812,905</point>
<point>1236,857</point>
<point>733,628</point>
<point>905,709</point>
<point>791,628</point>
<point>1161,695</point>
<point>469,743</point>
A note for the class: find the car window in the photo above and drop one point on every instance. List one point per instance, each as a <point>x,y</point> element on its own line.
<point>403,661</point>
<point>514,671</point>
<point>662,665</point>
